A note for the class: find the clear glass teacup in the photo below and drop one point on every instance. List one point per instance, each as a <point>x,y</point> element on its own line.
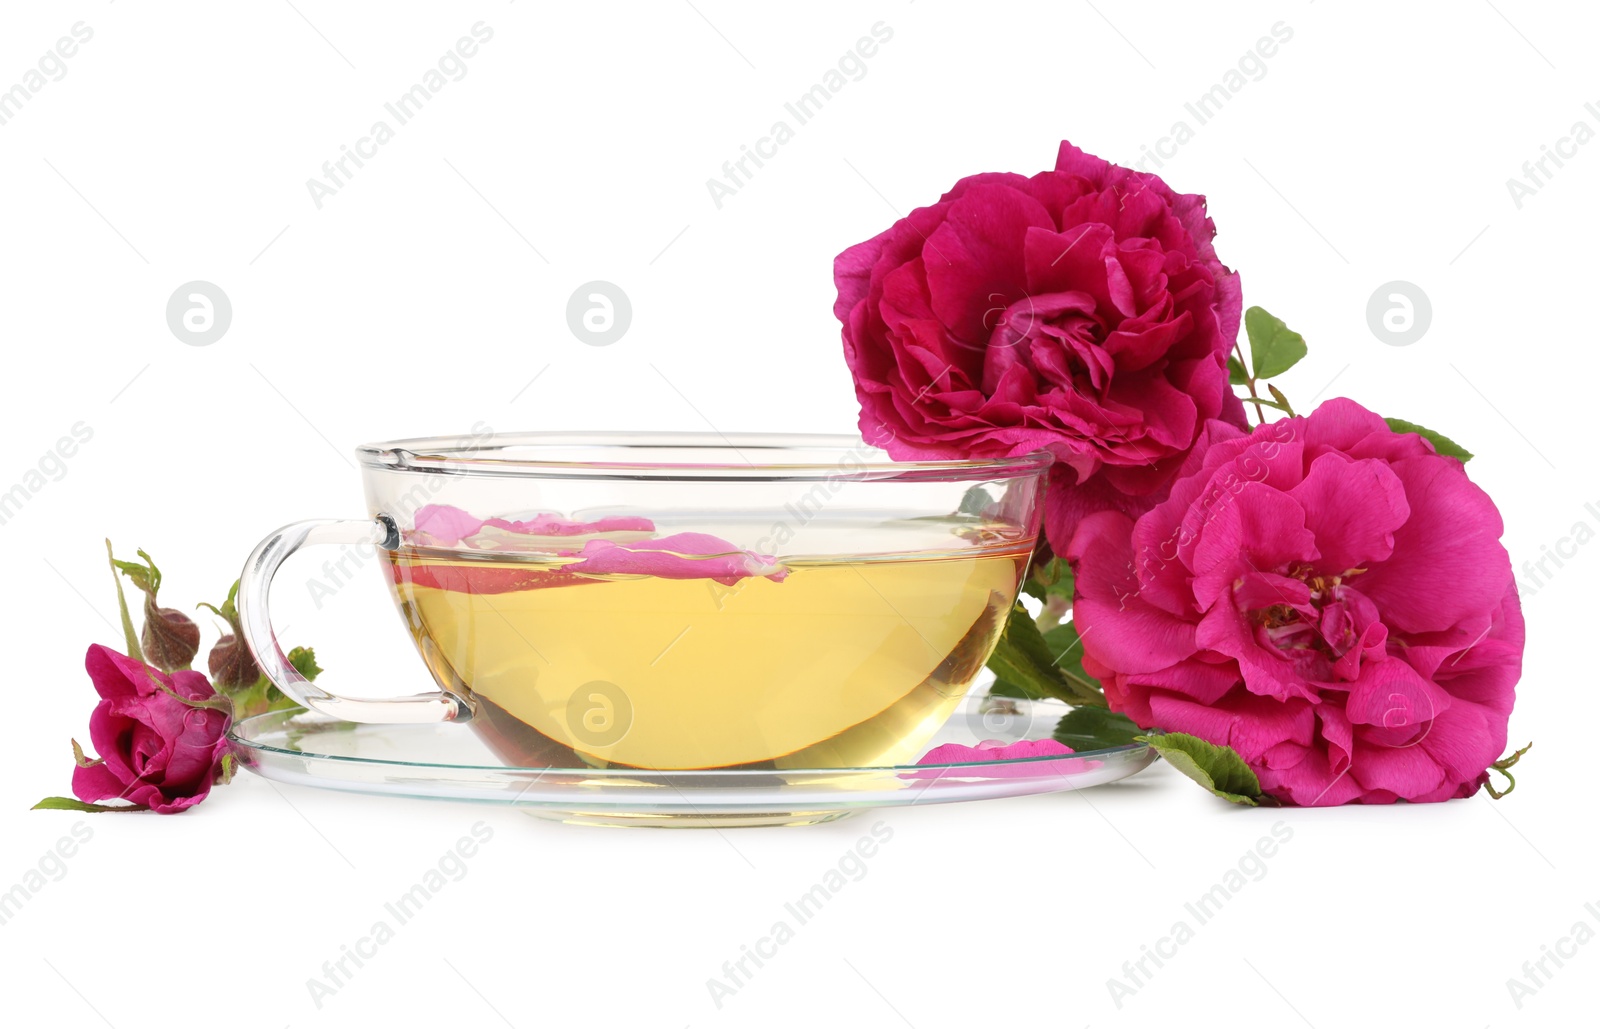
<point>680,601</point>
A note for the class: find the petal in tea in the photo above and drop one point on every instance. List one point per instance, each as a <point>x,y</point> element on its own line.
<point>443,525</point>
<point>483,579</point>
<point>683,555</point>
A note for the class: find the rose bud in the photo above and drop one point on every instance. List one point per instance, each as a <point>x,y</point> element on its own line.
<point>170,638</point>
<point>230,661</point>
<point>231,664</point>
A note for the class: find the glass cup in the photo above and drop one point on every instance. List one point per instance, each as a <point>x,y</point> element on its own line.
<point>679,601</point>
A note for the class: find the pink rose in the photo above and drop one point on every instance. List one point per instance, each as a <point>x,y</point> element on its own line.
<point>1082,311</point>
<point>154,749</point>
<point>1326,596</point>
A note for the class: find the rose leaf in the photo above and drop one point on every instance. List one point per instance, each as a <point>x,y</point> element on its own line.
<point>1025,660</point>
<point>1095,728</point>
<point>1066,652</point>
<point>975,501</point>
<point>1237,376</point>
<point>1016,691</point>
<point>1219,769</point>
<point>1056,577</point>
<point>304,660</point>
<point>1442,443</point>
<point>73,804</point>
<point>1274,347</point>
<point>131,637</point>
<point>225,769</point>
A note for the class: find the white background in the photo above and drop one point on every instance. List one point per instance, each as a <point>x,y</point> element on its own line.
<point>432,288</point>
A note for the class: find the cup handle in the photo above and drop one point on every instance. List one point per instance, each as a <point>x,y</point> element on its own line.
<point>255,582</point>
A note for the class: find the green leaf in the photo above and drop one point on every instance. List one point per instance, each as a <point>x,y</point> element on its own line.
<point>1219,769</point>
<point>1283,401</point>
<point>1066,652</point>
<point>248,700</point>
<point>1237,376</point>
<point>131,637</point>
<point>1264,402</point>
<point>1442,443</point>
<point>975,501</point>
<point>1095,728</point>
<point>145,576</point>
<point>1056,577</point>
<point>73,804</point>
<point>277,700</point>
<point>1024,659</point>
<point>1274,347</point>
<point>1002,688</point>
<point>1051,584</point>
<point>304,660</point>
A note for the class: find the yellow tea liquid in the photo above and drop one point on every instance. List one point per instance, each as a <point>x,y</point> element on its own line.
<point>844,662</point>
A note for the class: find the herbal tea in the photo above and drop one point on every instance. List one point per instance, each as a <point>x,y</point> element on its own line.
<point>837,663</point>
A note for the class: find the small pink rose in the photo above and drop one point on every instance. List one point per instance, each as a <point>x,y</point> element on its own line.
<point>155,750</point>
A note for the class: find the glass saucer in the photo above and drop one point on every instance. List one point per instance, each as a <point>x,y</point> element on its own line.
<point>447,761</point>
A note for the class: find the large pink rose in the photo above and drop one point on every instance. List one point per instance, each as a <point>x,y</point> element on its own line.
<point>1326,596</point>
<point>1081,311</point>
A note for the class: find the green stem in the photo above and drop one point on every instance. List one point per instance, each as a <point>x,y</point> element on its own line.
<point>1088,695</point>
<point>1503,766</point>
<point>1250,382</point>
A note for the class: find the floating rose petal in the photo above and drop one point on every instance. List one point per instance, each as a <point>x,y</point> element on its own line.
<point>613,545</point>
<point>683,555</point>
<point>442,525</point>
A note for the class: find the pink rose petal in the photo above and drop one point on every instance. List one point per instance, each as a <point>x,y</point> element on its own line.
<point>683,555</point>
<point>442,525</point>
<point>994,750</point>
